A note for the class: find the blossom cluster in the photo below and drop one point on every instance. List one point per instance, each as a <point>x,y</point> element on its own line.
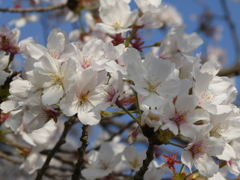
<point>173,91</point>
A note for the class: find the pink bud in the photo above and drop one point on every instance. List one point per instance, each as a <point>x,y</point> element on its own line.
<point>132,138</point>
<point>4,117</point>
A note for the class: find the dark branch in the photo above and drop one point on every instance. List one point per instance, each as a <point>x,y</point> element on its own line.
<point>67,125</point>
<point>230,72</point>
<point>234,70</point>
<point>117,133</point>
<point>232,28</point>
<point>84,139</point>
<point>139,175</point>
<point>5,156</point>
<point>37,9</point>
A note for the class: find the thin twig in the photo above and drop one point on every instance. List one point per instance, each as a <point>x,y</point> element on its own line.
<point>117,133</point>
<point>36,9</point>
<point>46,151</point>
<point>234,70</point>
<point>230,72</point>
<point>5,156</point>
<point>67,125</point>
<point>78,167</point>
<point>231,27</point>
<point>64,159</point>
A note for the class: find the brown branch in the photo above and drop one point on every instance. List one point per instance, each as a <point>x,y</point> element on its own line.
<point>53,175</point>
<point>59,157</point>
<point>234,70</point>
<point>84,139</point>
<point>67,125</point>
<point>37,9</point>
<point>121,130</point>
<point>15,144</point>
<point>63,151</point>
<point>5,156</point>
<point>116,133</point>
<point>150,151</point>
<point>61,168</point>
<point>65,160</point>
<point>153,140</point>
<point>231,27</point>
<point>230,72</point>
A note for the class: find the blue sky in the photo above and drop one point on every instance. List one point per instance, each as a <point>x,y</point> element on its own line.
<point>187,8</point>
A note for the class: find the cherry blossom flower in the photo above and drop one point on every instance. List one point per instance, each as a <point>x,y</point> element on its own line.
<point>178,41</point>
<point>58,47</point>
<point>154,172</point>
<point>233,164</point>
<point>39,140</point>
<point>132,158</point>
<point>200,150</point>
<point>3,64</point>
<point>9,41</point>
<point>116,18</point>
<point>83,96</point>
<point>169,15</point>
<point>102,162</point>
<point>183,115</point>
<point>212,90</point>
<point>23,101</point>
<point>91,55</point>
<point>156,85</point>
<point>171,161</point>
<point>57,78</point>
<point>114,94</point>
<point>150,10</point>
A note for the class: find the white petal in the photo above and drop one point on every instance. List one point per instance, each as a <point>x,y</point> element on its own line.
<point>69,104</point>
<point>187,159</point>
<point>172,126</point>
<point>8,106</point>
<point>35,50</point>
<point>228,153</point>
<point>206,166</point>
<point>52,94</point>
<point>153,100</point>
<point>56,42</point>
<point>89,118</point>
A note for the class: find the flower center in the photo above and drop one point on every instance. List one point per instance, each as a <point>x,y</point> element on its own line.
<point>86,62</point>
<point>83,98</point>
<point>180,117</point>
<point>198,149</point>
<point>207,95</point>
<point>54,53</point>
<point>135,163</point>
<point>117,25</point>
<point>110,93</point>
<point>153,117</point>
<point>57,78</point>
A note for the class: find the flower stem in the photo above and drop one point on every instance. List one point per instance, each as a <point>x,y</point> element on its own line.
<point>121,106</point>
<point>122,112</point>
<point>153,45</point>
<point>190,174</point>
<point>11,57</point>
<point>176,145</point>
<point>182,168</point>
<point>90,8</point>
<point>138,106</point>
<point>133,33</point>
